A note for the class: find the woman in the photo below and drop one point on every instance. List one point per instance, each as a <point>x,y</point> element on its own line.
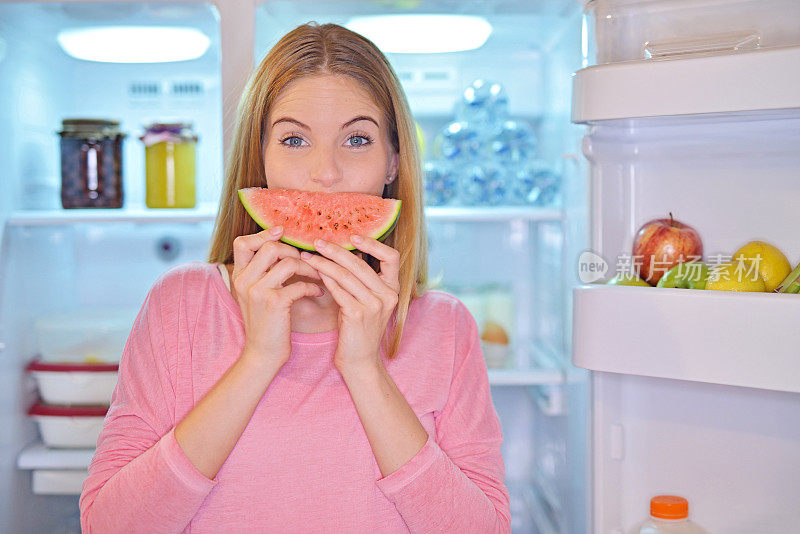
<point>275,391</point>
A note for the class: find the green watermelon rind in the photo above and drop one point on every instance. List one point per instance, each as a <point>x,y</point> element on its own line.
<point>382,234</point>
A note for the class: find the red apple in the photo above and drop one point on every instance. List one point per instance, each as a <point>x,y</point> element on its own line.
<point>661,244</point>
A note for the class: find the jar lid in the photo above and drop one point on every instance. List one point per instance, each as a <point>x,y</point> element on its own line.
<point>176,126</point>
<point>68,367</point>
<point>174,131</point>
<point>93,127</point>
<point>40,408</point>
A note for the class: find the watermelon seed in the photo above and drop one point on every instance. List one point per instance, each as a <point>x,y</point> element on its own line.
<point>336,226</point>
<point>345,226</point>
<point>319,213</point>
<point>328,216</point>
<point>320,228</point>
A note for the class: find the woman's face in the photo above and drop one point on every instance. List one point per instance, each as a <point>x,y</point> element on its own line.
<point>324,133</point>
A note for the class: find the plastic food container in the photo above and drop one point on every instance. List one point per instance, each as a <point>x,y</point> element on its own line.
<point>76,384</point>
<point>170,164</point>
<point>628,30</point>
<point>496,355</point>
<point>69,427</point>
<point>84,335</point>
<point>91,163</point>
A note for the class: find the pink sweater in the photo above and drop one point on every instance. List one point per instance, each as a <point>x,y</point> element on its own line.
<point>303,463</point>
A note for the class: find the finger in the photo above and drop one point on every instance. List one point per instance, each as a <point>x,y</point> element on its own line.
<point>353,264</point>
<point>283,298</point>
<point>245,275</point>
<point>245,246</point>
<point>389,258</point>
<point>285,269</point>
<point>345,300</point>
<point>262,262</point>
<point>298,290</point>
<point>344,278</point>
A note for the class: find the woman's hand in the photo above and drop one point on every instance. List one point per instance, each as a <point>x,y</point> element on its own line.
<point>261,266</point>
<point>366,299</point>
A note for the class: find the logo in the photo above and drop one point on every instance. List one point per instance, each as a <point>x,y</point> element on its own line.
<point>591,267</point>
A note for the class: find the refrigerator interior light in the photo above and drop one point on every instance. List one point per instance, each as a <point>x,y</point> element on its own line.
<point>134,44</point>
<point>423,34</point>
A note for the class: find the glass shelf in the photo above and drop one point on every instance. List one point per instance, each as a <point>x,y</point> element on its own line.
<point>207,213</point>
<point>542,368</point>
<point>38,456</point>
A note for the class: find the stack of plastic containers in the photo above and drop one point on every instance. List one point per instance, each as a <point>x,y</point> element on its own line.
<point>76,373</point>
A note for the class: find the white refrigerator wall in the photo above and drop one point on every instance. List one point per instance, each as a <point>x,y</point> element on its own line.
<point>732,177</point>
<point>733,452</point>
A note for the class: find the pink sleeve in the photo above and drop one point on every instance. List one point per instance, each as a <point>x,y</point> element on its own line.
<point>456,483</point>
<point>139,479</point>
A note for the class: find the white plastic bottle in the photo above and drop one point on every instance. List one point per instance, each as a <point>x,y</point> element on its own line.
<point>669,514</point>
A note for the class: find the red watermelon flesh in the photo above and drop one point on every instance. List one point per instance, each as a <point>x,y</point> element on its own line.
<point>308,215</point>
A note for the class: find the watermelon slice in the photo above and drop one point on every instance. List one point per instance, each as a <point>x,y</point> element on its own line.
<point>333,217</point>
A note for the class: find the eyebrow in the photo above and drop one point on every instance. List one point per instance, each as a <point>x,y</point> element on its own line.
<point>359,118</point>
<point>345,125</point>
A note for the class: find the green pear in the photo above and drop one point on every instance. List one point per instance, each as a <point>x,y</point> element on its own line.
<point>688,275</point>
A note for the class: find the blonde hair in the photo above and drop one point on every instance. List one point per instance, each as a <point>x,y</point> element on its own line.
<point>312,49</point>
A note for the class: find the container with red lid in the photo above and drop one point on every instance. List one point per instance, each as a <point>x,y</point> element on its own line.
<point>73,383</point>
<point>69,427</point>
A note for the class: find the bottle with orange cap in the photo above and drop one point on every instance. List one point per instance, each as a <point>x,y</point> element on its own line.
<point>669,514</point>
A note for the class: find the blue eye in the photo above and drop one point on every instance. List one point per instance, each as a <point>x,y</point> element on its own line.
<point>360,140</point>
<point>294,141</point>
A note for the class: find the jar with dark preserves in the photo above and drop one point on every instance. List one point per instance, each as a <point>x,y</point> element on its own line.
<point>91,163</point>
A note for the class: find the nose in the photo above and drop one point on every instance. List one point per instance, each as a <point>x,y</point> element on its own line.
<point>326,171</point>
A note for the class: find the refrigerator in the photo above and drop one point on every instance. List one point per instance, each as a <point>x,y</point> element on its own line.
<point>624,111</point>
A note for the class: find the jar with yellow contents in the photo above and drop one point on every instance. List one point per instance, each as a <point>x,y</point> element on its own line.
<point>170,164</point>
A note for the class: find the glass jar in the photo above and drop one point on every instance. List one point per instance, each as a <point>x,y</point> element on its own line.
<point>170,164</point>
<point>91,163</point>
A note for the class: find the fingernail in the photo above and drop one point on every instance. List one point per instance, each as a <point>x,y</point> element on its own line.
<point>319,244</point>
<point>355,239</point>
<point>305,255</point>
<point>276,230</point>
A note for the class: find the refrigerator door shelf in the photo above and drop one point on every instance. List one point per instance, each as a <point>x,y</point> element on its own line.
<point>744,81</point>
<point>720,337</point>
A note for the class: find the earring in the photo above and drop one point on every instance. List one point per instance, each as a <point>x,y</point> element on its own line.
<point>389,179</point>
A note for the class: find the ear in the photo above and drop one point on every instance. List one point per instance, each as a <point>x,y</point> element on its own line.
<point>394,165</point>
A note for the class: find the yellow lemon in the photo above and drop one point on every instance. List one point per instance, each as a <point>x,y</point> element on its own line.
<point>771,263</point>
<point>627,279</point>
<point>736,276</point>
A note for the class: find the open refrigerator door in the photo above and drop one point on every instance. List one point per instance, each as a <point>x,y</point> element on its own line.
<point>692,111</point>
